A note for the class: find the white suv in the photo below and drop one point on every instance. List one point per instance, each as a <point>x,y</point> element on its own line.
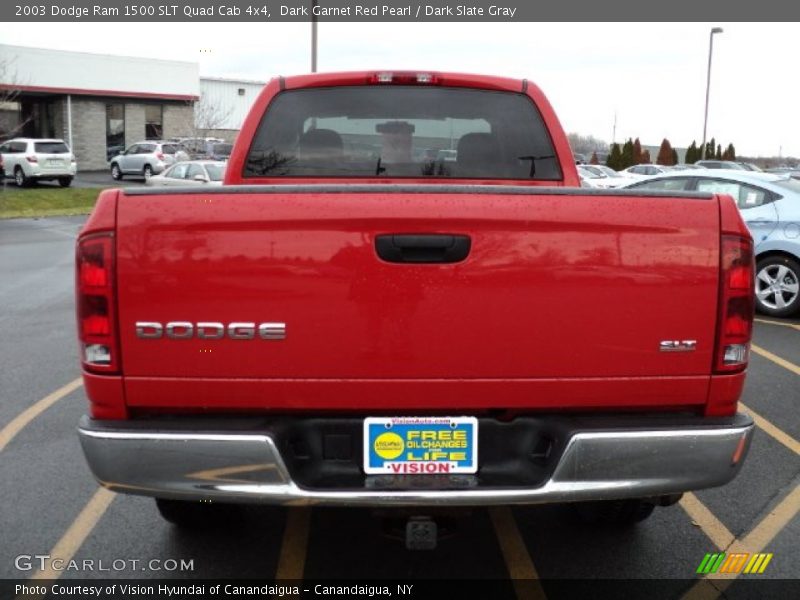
<point>27,160</point>
<point>145,159</point>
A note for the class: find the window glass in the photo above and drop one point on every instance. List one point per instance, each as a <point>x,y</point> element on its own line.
<point>18,147</point>
<point>51,147</point>
<point>146,148</point>
<point>746,196</point>
<point>215,172</point>
<point>169,149</point>
<point>153,121</point>
<point>195,170</point>
<point>402,131</point>
<point>178,171</point>
<point>674,184</point>
<point>115,129</point>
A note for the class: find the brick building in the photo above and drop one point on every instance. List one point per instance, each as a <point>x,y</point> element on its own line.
<point>99,104</point>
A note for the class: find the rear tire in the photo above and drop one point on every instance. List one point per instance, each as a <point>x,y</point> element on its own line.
<point>20,179</point>
<point>619,513</point>
<point>116,172</point>
<point>147,172</point>
<point>193,514</point>
<point>778,286</point>
<point>65,181</point>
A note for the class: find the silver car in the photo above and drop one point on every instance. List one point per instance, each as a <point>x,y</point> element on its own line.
<point>145,159</point>
<point>770,205</point>
<point>195,172</point>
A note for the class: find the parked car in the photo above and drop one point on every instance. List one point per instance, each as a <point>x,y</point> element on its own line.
<point>215,151</point>
<point>721,164</point>
<point>28,160</point>
<point>751,167</point>
<point>589,178</point>
<point>686,166</point>
<point>770,205</point>
<point>641,171</point>
<point>195,172</point>
<point>198,147</point>
<point>606,176</point>
<point>145,159</point>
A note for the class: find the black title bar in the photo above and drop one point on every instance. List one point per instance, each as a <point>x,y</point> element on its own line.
<point>392,10</point>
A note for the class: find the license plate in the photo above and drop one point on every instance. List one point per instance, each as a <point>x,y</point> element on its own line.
<point>55,162</point>
<point>420,445</point>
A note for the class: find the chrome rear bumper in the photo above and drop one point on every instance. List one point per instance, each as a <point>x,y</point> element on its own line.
<point>246,466</point>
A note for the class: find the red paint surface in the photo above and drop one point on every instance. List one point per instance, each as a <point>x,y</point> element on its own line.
<point>561,303</point>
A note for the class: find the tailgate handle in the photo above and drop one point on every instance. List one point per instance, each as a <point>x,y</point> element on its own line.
<point>422,248</point>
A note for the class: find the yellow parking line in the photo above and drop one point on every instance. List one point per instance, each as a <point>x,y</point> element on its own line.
<point>773,431</point>
<point>77,533</point>
<point>791,325</point>
<point>21,421</point>
<point>776,359</point>
<point>292,560</point>
<point>518,561</point>
<point>713,585</point>
<point>709,524</point>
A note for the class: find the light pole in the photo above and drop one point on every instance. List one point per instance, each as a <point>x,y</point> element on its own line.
<point>708,83</point>
<point>313,37</point>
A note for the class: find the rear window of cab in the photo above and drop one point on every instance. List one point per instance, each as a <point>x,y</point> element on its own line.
<point>402,131</point>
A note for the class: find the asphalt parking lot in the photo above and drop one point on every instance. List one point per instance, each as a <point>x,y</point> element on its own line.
<point>52,505</point>
<point>86,179</point>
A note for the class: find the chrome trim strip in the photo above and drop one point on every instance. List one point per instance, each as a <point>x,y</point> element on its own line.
<point>248,467</point>
<point>408,188</point>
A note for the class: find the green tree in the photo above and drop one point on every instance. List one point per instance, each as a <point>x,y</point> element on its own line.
<point>730,153</point>
<point>718,155</point>
<point>709,149</point>
<point>674,156</point>
<point>628,159</point>
<point>692,153</point>
<point>614,160</point>
<point>665,153</point>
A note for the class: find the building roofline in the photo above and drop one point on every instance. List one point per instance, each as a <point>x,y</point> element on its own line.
<point>89,92</point>
<point>103,54</point>
<point>232,80</point>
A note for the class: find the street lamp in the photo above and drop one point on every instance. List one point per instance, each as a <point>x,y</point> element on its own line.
<point>314,37</point>
<point>708,82</point>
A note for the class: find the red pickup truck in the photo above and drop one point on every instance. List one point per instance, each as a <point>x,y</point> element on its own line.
<point>402,297</point>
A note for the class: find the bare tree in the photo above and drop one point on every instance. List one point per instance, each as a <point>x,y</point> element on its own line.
<point>11,121</point>
<point>204,118</point>
<point>586,144</point>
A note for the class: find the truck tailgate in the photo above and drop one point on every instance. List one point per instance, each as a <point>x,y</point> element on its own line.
<point>557,285</point>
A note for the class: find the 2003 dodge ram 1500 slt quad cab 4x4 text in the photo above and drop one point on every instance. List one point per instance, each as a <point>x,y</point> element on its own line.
<point>401,297</point>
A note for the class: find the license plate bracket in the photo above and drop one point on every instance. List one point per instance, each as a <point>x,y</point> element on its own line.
<point>420,445</point>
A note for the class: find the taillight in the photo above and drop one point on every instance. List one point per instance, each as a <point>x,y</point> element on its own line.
<point>404,78</point>
<point>735,324</point>
<point>160,155</point>
<point>32,158</point>
<point>97,327</point>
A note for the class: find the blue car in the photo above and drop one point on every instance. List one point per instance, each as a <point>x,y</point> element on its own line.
<point>770,205</point>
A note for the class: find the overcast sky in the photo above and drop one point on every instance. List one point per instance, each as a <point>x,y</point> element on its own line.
<point>652,76</point>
